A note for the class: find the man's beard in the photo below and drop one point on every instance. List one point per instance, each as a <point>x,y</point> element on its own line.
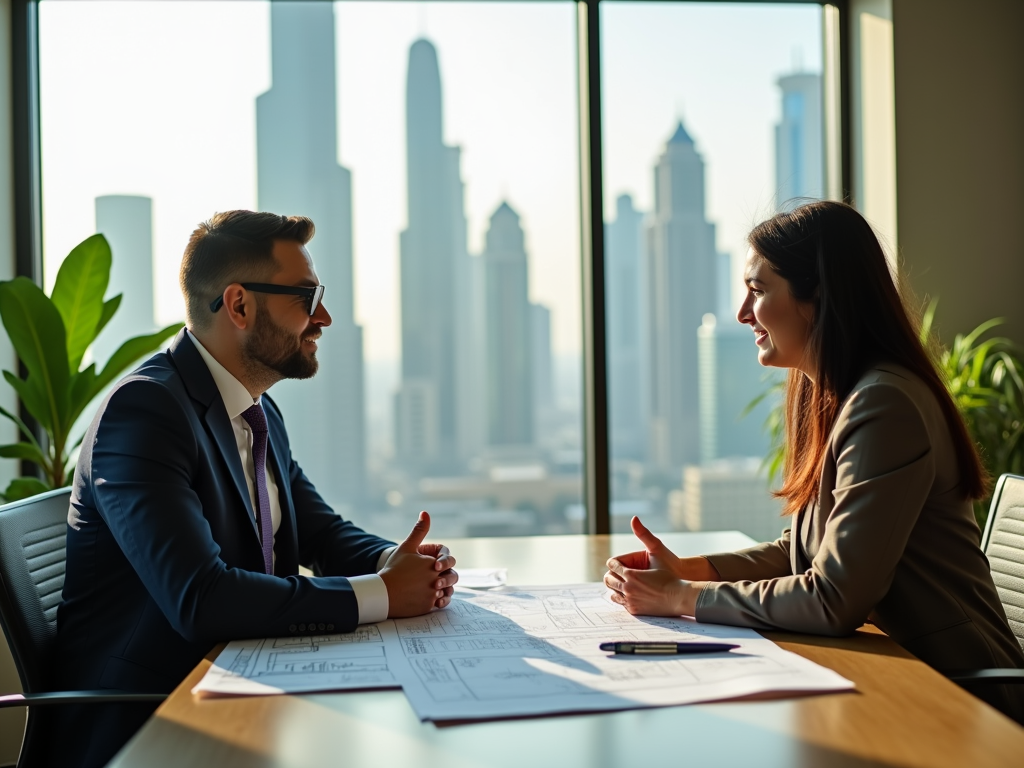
<point>271,348</point>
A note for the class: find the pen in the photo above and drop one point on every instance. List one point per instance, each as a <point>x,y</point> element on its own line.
<point>667,648</point>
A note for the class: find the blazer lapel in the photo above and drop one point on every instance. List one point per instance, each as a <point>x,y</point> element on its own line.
<point>286,540</point>
<point>201,387</point>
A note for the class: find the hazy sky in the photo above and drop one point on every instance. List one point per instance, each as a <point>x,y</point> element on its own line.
<point>157,98</point>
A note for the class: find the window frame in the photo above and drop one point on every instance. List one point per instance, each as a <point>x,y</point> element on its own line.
<point>596,455</point>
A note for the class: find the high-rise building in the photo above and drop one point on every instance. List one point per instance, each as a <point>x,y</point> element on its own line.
<point>680,279</point>
<point>731,379</point>
<point>510,412</point>
<point>729,495</point>
<point>626,331</point>
<point>799,150</point>
<point>436,277</point>
<point>542,367</point>
<point>127,223</point>
<point>298,173</point>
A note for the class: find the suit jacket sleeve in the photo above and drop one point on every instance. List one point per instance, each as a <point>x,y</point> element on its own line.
<point>884,471</point>
<point>762,561</point>
<point>140,478</point>
<point>328,544</point>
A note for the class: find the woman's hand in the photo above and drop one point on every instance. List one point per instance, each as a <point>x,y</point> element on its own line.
<point>657,555</point>
<point>654,582</point>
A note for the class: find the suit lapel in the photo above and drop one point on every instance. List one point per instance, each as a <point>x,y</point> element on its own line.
<point>286,542</point>
<point>201,387</point>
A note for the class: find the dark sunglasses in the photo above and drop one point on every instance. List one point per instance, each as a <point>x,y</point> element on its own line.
<point>313,295</point>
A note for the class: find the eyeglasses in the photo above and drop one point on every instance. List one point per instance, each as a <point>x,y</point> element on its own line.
<point>313,294</point>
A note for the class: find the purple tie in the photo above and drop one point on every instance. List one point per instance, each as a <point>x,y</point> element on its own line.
<point>257,421</point>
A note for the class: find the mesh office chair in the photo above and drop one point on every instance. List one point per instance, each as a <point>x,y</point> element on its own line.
<point>1003,544</point>
<point>32,555</point>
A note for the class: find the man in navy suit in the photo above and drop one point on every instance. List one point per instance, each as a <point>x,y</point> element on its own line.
<point>189,517</point>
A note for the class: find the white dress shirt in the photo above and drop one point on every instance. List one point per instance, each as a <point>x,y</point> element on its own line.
<point>370,590</point>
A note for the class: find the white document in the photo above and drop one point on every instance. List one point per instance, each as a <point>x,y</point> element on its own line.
<point>357,660</point>
<point>482,578</point>
<point>530,651</point>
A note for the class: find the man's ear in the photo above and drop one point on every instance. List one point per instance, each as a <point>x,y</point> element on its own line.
<point>239,305</point>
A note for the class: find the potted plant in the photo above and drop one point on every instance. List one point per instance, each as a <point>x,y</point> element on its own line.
<point>50,335</point>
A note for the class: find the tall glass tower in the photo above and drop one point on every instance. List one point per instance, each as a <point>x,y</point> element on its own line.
<point>298,173</point>
<point>681,288</point>
<point>438,354</point>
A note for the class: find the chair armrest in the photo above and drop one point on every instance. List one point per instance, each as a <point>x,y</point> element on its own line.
<point>77,697</point>
<point>987,676</point>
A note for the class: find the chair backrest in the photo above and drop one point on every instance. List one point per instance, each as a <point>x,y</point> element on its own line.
<point>1003,543</point>
<point>32,555</point>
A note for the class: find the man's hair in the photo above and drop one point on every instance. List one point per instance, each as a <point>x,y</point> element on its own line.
<point>233,247</point>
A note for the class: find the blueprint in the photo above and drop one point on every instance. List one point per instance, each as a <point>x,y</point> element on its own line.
<point>513,651</point>
<point>529,651</point>
<point>357,659</point>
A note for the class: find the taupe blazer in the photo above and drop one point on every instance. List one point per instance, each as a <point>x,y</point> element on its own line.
<point>890,539</point>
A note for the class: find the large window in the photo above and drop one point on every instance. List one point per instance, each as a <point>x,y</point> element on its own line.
<point>438,158</point>
<point>435,146</point>
<point>712,122</point>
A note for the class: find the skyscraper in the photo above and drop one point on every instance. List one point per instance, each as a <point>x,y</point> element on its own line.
<point>799,151</point>
<point>543,372</point>
<point>626,331</point>
<point>509,371</point>
<point>731,378</point>
<point>436,280</point>
<point>127,223</point>
<point>681,289</point>
<point>298,173</point>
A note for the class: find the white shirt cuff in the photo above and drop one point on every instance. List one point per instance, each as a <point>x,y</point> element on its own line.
<point>384,557</point>
<point>371,597</point>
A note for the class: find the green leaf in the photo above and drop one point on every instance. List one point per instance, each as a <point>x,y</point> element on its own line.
<point>37,332</point>
<point>109,308</point>
<point>23,487</point>
<point>32,398</point>
<point>78,294</point>
<point>25,451</point>
<point>128,353</point>
<point>82,384</point>
<point>21,424</point>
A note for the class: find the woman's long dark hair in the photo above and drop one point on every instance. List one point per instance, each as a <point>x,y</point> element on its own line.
<point>830,257</point>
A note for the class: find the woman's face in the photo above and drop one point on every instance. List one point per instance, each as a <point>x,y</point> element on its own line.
<point>781,324</point>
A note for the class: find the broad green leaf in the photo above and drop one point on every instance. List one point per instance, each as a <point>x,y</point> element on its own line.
<point>25,451</point>
<point>128,353</point>
<point>81,392</point>
<point>78,294</point>
<point>23,487</point>
<point>37,332</point>
<point>32,398</point>
<point>21,424</point>
<point>109,308</point>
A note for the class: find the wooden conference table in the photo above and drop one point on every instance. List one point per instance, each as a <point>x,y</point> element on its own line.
<point>902,713</point>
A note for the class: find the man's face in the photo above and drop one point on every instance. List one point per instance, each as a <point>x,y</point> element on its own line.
<point>284,336</point>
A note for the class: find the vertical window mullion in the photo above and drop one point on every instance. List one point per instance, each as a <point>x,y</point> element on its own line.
<point>596,494</point>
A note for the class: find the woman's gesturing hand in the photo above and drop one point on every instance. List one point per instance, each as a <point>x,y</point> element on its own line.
<point>654,582</point>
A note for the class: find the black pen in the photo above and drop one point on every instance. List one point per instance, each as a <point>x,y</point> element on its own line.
<point>667,648</point>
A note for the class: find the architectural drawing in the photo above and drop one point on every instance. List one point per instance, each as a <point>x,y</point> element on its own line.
<point>302,663</point>
<point>518,651</point>
<point>535,651</point>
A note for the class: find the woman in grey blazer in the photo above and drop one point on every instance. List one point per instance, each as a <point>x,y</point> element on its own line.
<point>879,478</point>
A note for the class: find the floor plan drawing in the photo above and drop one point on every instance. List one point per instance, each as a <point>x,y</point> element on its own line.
<point>522,651</point>
<point>303,663</point>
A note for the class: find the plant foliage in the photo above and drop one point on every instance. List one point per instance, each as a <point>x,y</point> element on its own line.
<point>51,335</point>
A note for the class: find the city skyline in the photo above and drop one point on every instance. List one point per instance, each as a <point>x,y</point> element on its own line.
<point>528,156</point>
<point>476,269</point>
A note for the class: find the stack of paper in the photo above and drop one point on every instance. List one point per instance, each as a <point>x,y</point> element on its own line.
<point>519,651</point>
